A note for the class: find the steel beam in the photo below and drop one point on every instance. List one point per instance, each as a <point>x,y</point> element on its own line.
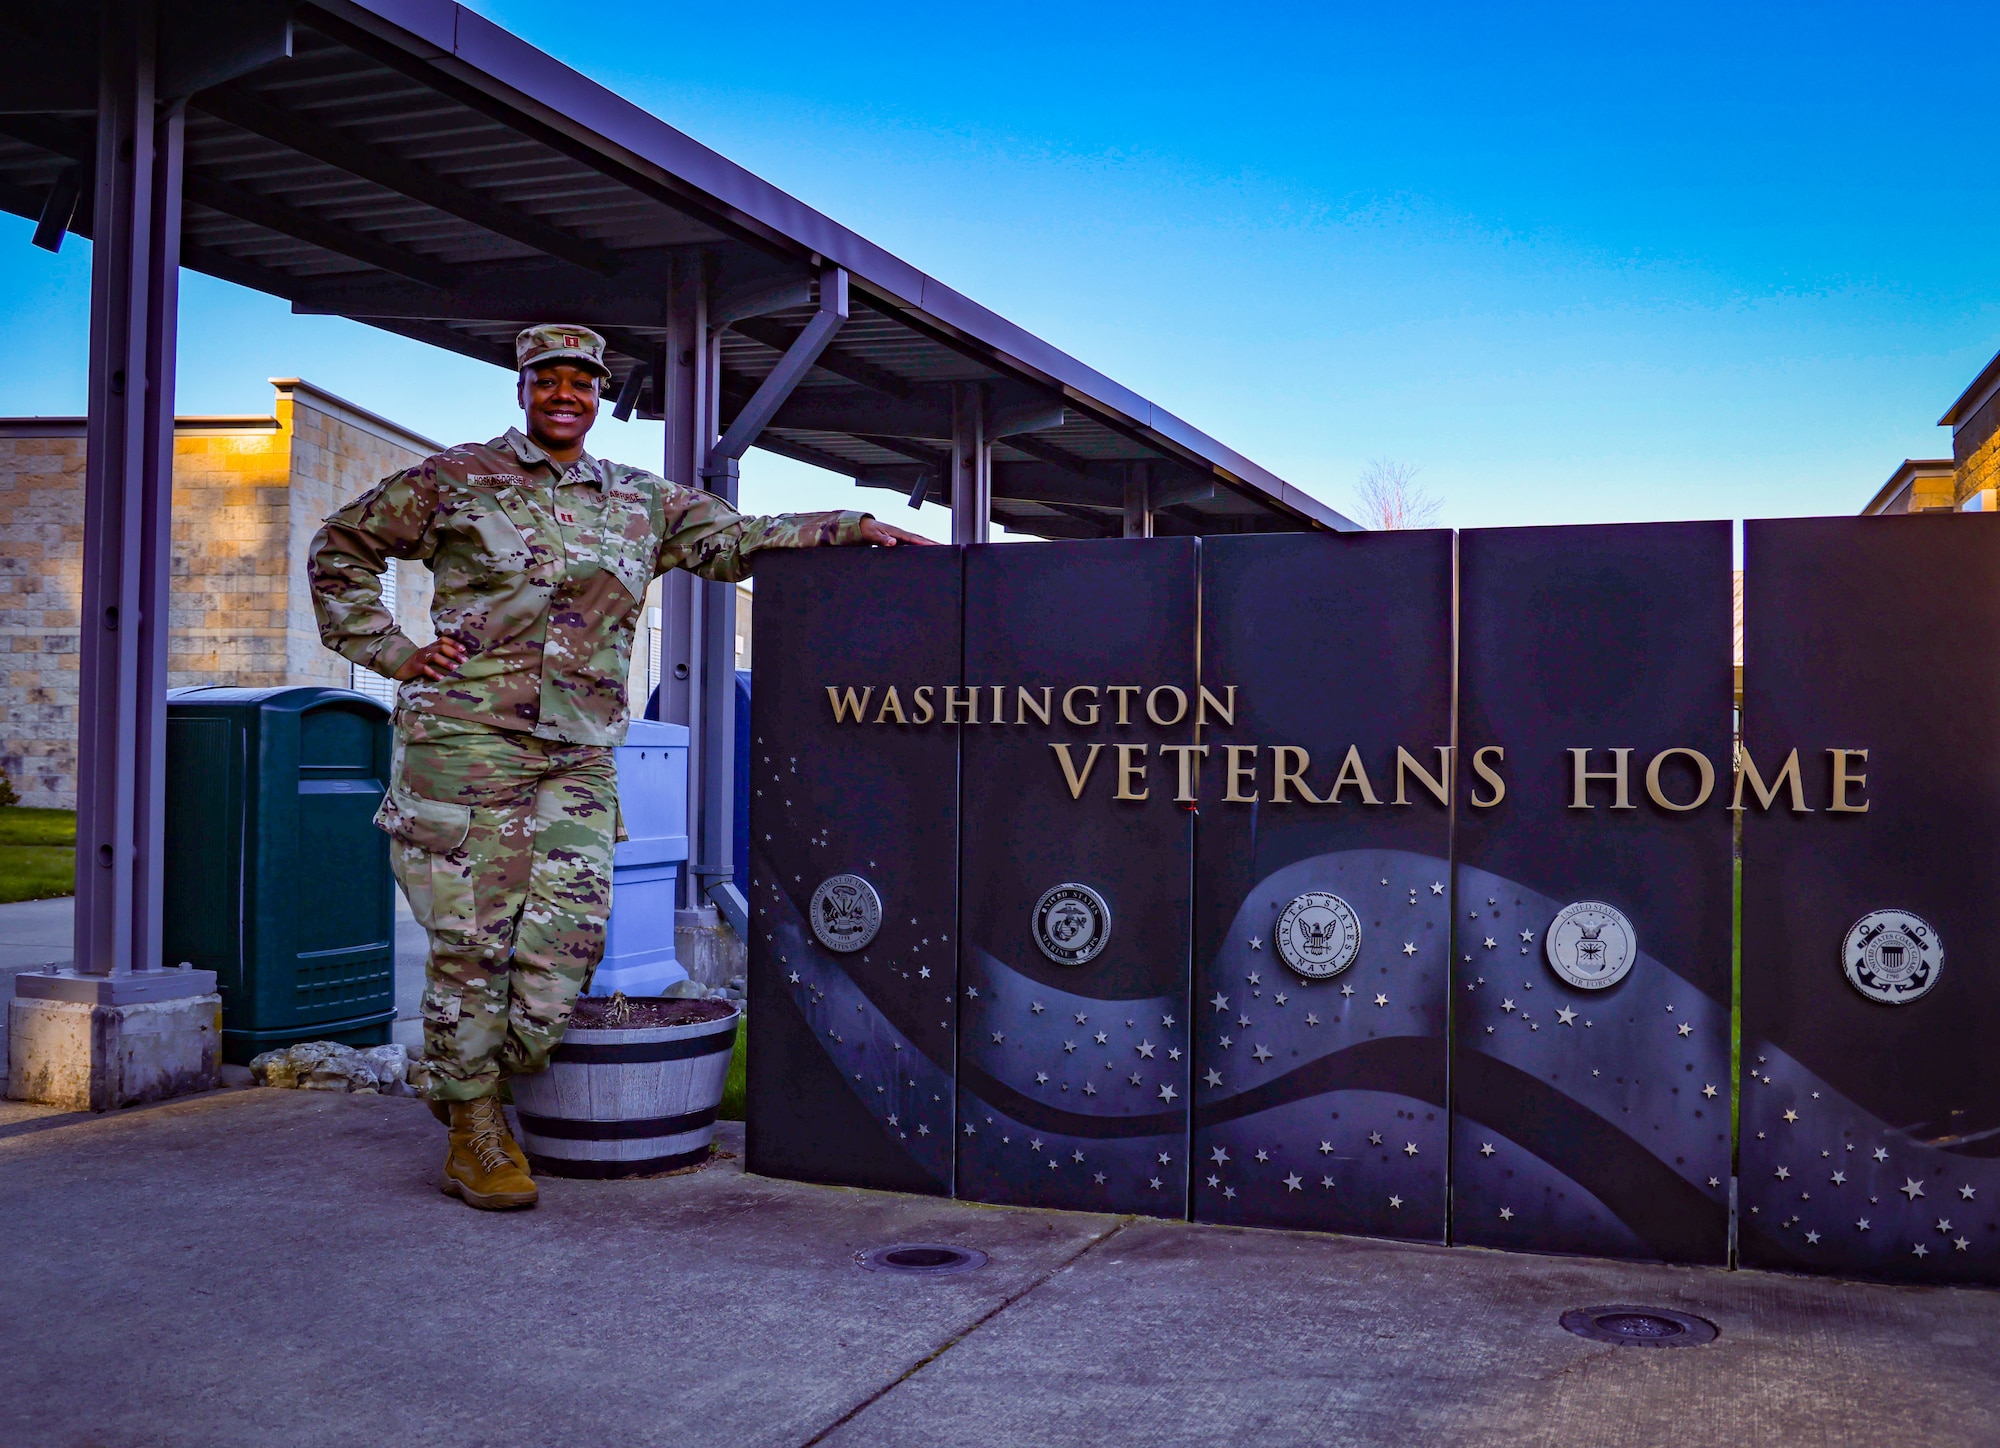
<point>1138,500</point>
<point>971,485</point>
<point>347,153</point>
<point>128,487</point>
<point>778,384</point>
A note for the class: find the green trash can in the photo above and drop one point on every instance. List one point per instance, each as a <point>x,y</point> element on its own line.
<point>276,877</point>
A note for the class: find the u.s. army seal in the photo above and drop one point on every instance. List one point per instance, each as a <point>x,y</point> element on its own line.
<point>1072,922</point>
<point>1591,945</point>
<point>1318,935</point>
<point>1892,956</point>
<point>846,912</point>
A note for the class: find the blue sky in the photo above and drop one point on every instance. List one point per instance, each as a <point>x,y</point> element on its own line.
<point>1574,264</point>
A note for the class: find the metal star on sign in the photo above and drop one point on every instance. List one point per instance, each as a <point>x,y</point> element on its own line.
<point>1293,1182</point>
<point>1374,1138</point>
<point>1709,1091</point>
<point>1685,1029</point>
<point>1214,1078</point>
<point>1881,1153</point>
<point>1219,1155</point>
<point>1381,1000</point>
<point>1784,1173</point>
<point>1135,1079</point>
<point>1037,1007</point>
<point>1167,1093</point>
<point>1221,1001</point>
<point>1486,1148</point>
<point>1395,1201</point>
<point>1506,1214</point>
<point>1102,1039</point>
<point>1261,1054</point>
<point>1812,1239</point>
<point>1489,942</point>
<point>1840,1178</point>
<point>1437,887</point>
<point>1508,1005</point>
<point>1911,1188</point>
<point>1311,1019</point>
<point>1145,1048</point>
<point>1256,943</point>
<point>1409,947</point>
<point>1263,1155</point>
<point>1566,1016</point>
<point>1409,1148</point>
<point>1968,1192</point>
<point>1791,1115</point>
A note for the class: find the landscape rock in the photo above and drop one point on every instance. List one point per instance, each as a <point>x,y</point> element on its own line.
<point>330,1066</point>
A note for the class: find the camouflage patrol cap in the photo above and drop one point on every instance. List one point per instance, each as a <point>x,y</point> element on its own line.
<point>560,342</point>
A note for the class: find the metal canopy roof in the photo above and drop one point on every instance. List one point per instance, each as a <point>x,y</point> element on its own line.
<point>410,165</point>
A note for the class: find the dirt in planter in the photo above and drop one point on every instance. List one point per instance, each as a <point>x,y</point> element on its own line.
<point>621,1013</point>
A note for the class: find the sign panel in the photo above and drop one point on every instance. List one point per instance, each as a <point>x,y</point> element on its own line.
<point>1591,1004</point>
<point>1870,1125</point>
<point>1322,914</point>
<point>854,850</point>
<point>1079,703</point>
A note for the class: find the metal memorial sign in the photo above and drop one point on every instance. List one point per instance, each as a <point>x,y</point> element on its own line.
<point>1077,727</point>
<point>1870,1130</point>
<point>1322,862</point>
<point>1593,908</point>
<point>853,892</point>
<point>1384,883</point>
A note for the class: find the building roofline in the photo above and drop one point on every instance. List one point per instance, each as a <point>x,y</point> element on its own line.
<point>184,423</point>
<point>356,415</point>
<point>1907,472</point>
<point>475,51</point>
<point>1974,397</point>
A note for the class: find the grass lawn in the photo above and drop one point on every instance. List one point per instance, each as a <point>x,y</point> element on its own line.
<point>37,853</point>
<point>732,1088</point>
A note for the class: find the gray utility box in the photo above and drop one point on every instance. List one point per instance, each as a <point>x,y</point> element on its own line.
<point>276,877</point>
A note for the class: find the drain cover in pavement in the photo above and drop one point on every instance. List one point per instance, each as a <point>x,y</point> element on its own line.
<point>1639,1326</point>
<point>921,1259</point>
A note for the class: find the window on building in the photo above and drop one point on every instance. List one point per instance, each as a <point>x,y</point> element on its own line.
<point>367,681</point>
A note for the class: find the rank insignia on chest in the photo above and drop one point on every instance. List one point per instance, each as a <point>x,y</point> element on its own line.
<point>566,517</point>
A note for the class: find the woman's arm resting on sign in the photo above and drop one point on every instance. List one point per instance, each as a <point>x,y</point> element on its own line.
<point>888,535</point>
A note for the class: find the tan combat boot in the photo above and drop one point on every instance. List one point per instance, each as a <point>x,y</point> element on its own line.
<point>485,1168</point>
<point>442,1111</point>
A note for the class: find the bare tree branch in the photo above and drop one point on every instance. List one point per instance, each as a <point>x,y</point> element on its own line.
<point>1390,498</point>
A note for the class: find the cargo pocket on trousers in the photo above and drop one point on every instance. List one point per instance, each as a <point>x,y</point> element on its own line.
<point>426,832</point>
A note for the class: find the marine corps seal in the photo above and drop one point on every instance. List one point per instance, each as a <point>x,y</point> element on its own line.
<point>1072,922</point>
<point>1318,935</point>
<point>846,912</point>
<point>1892,956</point>
<point>1591,945</point>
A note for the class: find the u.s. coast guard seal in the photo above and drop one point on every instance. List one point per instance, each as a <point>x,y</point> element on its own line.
<point>846,912</point>
<point>1072,922</point>
<point>1318,935</point>
<point>1591,945</point>
<point>1892,956</point>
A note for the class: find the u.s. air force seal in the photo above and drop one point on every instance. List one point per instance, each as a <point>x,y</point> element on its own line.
<point>1072,922</point>
<point>846,913</point>
<point>1591,945</point>
<point>1318,935</point>
<point>1892,956</point>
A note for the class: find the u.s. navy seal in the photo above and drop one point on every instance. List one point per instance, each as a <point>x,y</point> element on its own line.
<point>503,799</point>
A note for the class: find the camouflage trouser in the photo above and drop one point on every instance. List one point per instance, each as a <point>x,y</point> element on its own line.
<point>502,843</point>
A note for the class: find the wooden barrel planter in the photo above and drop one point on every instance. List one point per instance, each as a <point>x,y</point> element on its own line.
<point>626,1100</point>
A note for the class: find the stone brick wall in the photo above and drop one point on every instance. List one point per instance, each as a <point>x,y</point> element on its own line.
<point>41,580</point>
<point>249,493</point>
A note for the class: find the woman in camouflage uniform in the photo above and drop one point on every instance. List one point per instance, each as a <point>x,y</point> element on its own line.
<point>503,797</point>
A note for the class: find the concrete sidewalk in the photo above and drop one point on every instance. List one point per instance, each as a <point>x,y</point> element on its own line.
<point>261,1267</point>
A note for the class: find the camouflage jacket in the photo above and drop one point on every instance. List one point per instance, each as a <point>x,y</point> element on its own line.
<point>541,572</point>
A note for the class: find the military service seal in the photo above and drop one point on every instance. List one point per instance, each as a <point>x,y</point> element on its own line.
<point>1318,935</point>
<point>1591,945</point>
<point>1072,922</point>
<point>846,912</point>
<point>1892,956</point>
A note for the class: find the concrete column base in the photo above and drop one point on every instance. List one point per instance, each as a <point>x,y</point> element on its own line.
<point>91,1057</point>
